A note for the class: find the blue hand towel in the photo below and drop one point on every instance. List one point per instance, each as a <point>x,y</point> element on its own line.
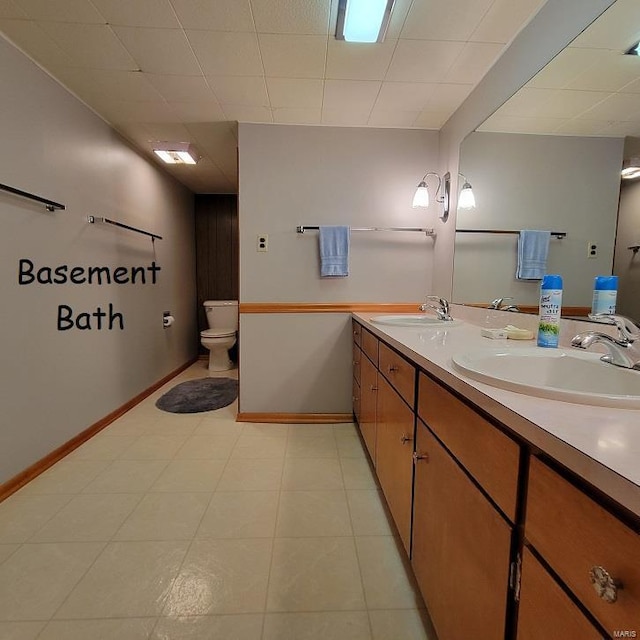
<point>334,251</point>
<point>533,248</point>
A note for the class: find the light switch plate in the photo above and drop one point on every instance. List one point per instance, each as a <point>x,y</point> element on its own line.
<point>262,242</point>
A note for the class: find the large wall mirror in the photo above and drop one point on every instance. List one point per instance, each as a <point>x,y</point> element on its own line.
<point>550,158</point>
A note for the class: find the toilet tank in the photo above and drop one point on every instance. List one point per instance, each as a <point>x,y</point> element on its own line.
<point>222,314</point>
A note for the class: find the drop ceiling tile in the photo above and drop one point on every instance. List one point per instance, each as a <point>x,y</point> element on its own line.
<point>404,96</point>
<point>292,56</point>
<point>97,84</point>
<point>519,124</point>
<point>198,111</point>
<point>182,88</point>
<point>632,87</point>
<point>284,16</point>
<point>618,31</point>
<point>475,59</point>
<point>136,133</point>
<point>448,97</point>
<point>90,46</point>
<point>350,95</point>
<point>398,18</point>
<point>295,94</point>
<point>422,60</point>
<point>213,135</point>
<point>28,35</point>
<point>9,10</point>
<point>564,103</point>
<point>119,111</point>
<point>504,19</point>
<point>611,73</point>
<point>221,15</point>
<point>138,13</point>
<point>564,68</point>
<point>248,91</point>
<point>444,19</point>
<point>297,116</point>
<point>345,117</point>
<point>165,131</point>
<point>78,11</point>
<point>623,128</point>
<point>583,127</point>
<point>431,119</point>
<point>351,61</point>
<point>227,54</point>
<point>388,118</point>
<point>161,51</point>
<point>525,103</point>
<point>242,113</point>
<point>618,106</point>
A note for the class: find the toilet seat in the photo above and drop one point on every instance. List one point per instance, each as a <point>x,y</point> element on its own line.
<point>217,333</point>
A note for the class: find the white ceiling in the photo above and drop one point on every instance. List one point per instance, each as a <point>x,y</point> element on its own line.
<point>591,88</point>
<point>189,70</point>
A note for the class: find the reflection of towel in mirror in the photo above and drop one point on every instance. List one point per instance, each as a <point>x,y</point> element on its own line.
<point>334,251</point>
<point>533,248</point>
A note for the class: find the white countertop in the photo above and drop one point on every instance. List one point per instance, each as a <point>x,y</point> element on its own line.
<point>600,444</point>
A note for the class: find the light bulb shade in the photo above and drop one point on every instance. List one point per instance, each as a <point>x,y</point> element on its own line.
<point>466,200</point>
<point>421,197</point>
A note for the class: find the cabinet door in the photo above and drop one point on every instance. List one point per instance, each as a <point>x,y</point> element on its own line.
<point>545,610</point>
<point>368,397</point>
<point>461,547</point>
<point>394,456</point>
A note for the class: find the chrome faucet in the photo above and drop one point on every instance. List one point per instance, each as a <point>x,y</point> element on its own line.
<point>620,350</point>
<point>497,304</point>
<point>441,309</point>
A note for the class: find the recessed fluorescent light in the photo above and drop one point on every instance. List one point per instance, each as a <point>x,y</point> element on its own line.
<point>630,168</point>
<point>634,51</point>
<point>176,152</point>
<point>363,20</point>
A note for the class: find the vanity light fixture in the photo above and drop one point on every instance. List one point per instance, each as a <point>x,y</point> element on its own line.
<point>176,152</point>
<point>363,20</point>
<point>630,168</point>
<point>466,199</point>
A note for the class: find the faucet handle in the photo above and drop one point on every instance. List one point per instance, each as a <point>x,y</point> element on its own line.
<point>627,328</point>
<point>497,303</point>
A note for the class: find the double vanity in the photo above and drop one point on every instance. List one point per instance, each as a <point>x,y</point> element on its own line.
<point>518,510</point>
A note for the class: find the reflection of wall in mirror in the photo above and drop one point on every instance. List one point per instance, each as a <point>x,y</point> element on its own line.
<point>626,263</point>
<point>521,181</point>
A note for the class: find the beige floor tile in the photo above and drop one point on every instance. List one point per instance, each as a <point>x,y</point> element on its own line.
<point>312,445</point>
<point>88,518</point>
<point>349,446</point>
<point>225,413</point>
<point>190,475</point>
<point>199,447</point>
<point>154,447</point>
<point>408,624</point>
<point>6,550</point>
<point>129,579</point>
<point>357,474</point>
<point>21,515</point>
<point>240,514</point>
<point>66,476</point>
<point>251,475</point>
<point>20,630</point>
<point>311,430</point>
<point>165,516</point>
<point>330,625</point>
<point>265,429</point>
<point>246,626</point>
<point>209,427</point>
<point>368,514</point>
<point>314,574</point>
<point>176,421</point>
<point>120,629</point>
<point>133,423</point>
<point>37,578</point>
<point>346,428</point>
<point>387,582</point>
<point>312,474</point>
<point>249,446</point>
<point>167,427</point>
<point>312,514</point>
<point>103,448</point>
<point>127,476</point>
<point>222,576</point>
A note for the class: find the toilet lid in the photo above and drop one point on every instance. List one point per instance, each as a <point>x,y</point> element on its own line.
<point>217,333</point>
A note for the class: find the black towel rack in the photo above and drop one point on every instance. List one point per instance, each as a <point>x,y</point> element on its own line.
<point>556,234</point>
<point>429,232</point>
<point>49,204</point>
<point>94,219</point>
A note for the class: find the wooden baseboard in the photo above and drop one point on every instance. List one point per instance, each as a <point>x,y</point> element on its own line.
<point>295,418</point>
<point>18,481</point>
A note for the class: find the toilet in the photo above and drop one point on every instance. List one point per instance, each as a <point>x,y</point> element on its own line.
<point>222,318</point>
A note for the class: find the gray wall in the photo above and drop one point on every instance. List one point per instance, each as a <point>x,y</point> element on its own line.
<point>560,183</point>
<point>291,176</point>
<point>57,383</point>
<point>627,263</point>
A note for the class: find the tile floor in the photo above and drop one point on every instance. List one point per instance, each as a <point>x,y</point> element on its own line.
<point>195,526</point>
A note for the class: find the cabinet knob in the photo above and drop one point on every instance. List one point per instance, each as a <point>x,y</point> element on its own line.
<point>405,438</point>
<point>604,584</point>
<point>392,369</point>
<point>372,388</point>
<point>420,456</point>
<point>355,399</point>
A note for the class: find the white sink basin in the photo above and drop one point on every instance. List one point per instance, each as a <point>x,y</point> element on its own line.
<point>415,320</point>
<point>560,374</point>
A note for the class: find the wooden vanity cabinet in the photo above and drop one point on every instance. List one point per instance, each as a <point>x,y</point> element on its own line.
<point>368,401</point>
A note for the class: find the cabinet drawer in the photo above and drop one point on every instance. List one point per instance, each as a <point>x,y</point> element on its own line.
<point>357,332</point>
<point>545,610</point>
<point>357,357</point>
<point>574,534</point>
<point>490,456</point>
<point>400,373</point>
<point>370,346</point>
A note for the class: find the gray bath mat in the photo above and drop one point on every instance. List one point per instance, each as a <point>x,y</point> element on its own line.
<point>204,394</point>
